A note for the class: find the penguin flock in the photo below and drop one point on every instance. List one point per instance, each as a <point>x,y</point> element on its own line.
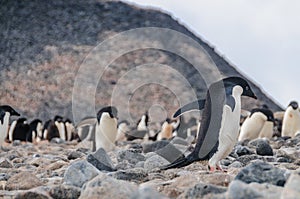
<point>223,123</point>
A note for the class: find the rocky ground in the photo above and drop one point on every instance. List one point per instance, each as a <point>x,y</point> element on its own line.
<point>255,169</point>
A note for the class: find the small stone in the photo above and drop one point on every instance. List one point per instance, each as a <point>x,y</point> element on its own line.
<point>255,142</point>
<point>262,172</point>
<point>270,159</point>
<point>136,175</point>
<point>65,191</point>
<point>32,194</point>
<point>264,149</point>
<point>75,155</point>
<point>201,189</point>
<point>242,150</point>
<point>56,165</point>
<point>130,156</point>
<point>284,159</point>
<point>101,160</point>
<point>23,181</point>
<point>4,163</point>
<point>246,159</point>
<point>3,177</point>
<point>155,161</point>
<point>57,141</point>
<point>36,155</point>
<point>79,173</point>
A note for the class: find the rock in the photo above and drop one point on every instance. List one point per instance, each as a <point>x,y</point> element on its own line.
<point>292,188</point>
<point>201,189</point>
<point>264,149</point>
<point>284,159</point>
<point>4,163</point>
<point>79,173</point>
<point>155,146</point>
<point>3,177</point>
<point>56,165</point>
<point>136,148</point>
<point>101,160</point>
<point>75,155</point>
<point>23,181</point>
<point>147,193</point>
<point>132,156</point>
<point>155,162</point>
<point>32,194</point>
<point>136,175</point>
<point>17,143</point>
<point>108,187</point>
<point>291,153</point>
<point>262,172</point>
<point>256,142</point>
<point>65,191</point>
<point>180,141</point>
<point>236,164</point>
<point>246,159</point>
<point>242,150</point>
<point>269,158</point>
<point>239,190</point>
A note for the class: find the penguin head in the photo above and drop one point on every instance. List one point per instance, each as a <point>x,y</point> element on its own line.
<point>9,109</point>
<point>294,105</point>
<point>231,82</point>
<point>110,110</point>
<point>22,120</point>
<point>58,118</point>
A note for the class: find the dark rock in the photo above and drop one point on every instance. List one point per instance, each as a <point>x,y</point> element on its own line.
<point>3,177</point>
<point>284,159</point>
<point>255,142</point>
<point>17,143</point>
<point>242,150</point>
<point>32,194</point>
<point>225,162</point>
<point>201,189</point>
<point>264,149</point>
<point>75,155</point>
<point>83,150</point>
<point>136,175</point>
<point>131,156</point>
<point>79,173</point>
<point>155,146</point>
<point>36,155</point>
<point>236,164</point>
<point>136,148</point>
<point>246,159</point>
<point>101,160</point>
<point>262,172</point>
<point>4,163</point>
<point>65,191</point>
<point>57,141</point>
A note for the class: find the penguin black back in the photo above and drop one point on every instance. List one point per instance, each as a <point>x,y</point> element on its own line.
<point>21,130</point>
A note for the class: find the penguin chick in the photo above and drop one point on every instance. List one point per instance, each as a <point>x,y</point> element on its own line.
<point>106,128</point>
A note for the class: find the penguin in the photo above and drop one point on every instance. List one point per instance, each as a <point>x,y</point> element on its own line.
<point>51,130</point>
<point>123,129</point>
<point>5,112</point>
<point>19,130</point>
<point>70,130</point>
<point>106,128</point>
<point>45,129</point>
<point>35,131</point>
<point>58,120</point>
<point>219,127</point>
<point>142,124</point>
<point>142,130</point>
<point>166,130</point>
<point>259,123</point>
<point>291,120</point>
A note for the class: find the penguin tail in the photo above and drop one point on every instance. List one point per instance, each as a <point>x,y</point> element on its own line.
<point>181,162</point>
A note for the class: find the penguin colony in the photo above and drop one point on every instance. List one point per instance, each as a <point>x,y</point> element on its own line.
<point>214,135</point>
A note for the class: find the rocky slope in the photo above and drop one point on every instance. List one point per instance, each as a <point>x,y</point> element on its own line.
<point>256,169</point>
<point>44,44</point>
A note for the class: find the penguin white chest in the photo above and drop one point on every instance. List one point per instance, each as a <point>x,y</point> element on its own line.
<point>4,127</point>
<point>291,122</point>
<point>106,132</point>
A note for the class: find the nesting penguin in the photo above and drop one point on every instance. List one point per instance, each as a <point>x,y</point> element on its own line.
<point>106,128</point>
<point>258,124</point>
<point>5,113</point>
<point>19,130</point>
<point>35,131</point>
<point>219,127</point>
<point>291,120</point>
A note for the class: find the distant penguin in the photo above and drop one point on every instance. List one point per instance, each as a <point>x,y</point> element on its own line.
<point>166,130</point>
<point>19,130</point>
<point>141,131</point>
<point>51,130</point>
<point>106,128</point>
<point>45,129</point>
<point>259,123</point>
<point>58,120</point>
<point>123,129</point>
<point>35,131</point>
<point>219,124</point>
<point>69,130</point>
<point>5,113</point>
<point>291,120</point>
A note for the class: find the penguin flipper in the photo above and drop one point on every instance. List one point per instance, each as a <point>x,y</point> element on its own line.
<point>181,162</point>
<point>195,105</point>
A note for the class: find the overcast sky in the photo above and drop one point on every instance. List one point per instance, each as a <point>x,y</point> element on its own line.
<point>260,37</point>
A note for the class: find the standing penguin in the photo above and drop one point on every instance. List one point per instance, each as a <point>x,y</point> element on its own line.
<point>35,131</point>
<point>58,120</point>
<point>259,123</point>
<point>106,128</point>
<point>19,130</point>
<point>5,113</point>
<point>219,127</point>
<point>291,120</point>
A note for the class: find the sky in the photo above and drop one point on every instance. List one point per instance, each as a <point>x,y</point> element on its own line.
<point>260,37</point>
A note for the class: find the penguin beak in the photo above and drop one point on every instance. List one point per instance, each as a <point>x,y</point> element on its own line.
<point>15,113</point>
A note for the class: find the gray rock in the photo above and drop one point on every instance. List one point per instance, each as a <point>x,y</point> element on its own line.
<point>264,149</point>
<point>284,159</point>
<point>75,155</point>
<point>79,173</point>
<point>101,160</point>
<point>255,142</point>
<point>242,150</point>
<point>65,191</point>
<point>132,156</point>
<point>180,141</point>
<point>155,146</point>
<point>32,194</point>
<point>3,177</point>
<point>136,175</point>
<point>23,181</point>
<point>292,188</point>
<point>4,163</point>
<point>270,159</point>
<point>290,153</point>
<point>108,187</point>
<point>262,172</point>
<point>246,159</point>
<point>236,164</point>
<point>147,193</point>
<point>155,162</point>
<point>17,143</point>
<point>140,164</point>
<point>201,189</point>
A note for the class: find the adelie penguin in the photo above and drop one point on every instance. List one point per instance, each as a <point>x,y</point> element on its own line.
<point>5,113</point>
<point>291,120</point>
<point>106,128</point>
<point>219,127</point>
<point>258,124</point>
<point>35,131</point>
<point>19,130</point>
